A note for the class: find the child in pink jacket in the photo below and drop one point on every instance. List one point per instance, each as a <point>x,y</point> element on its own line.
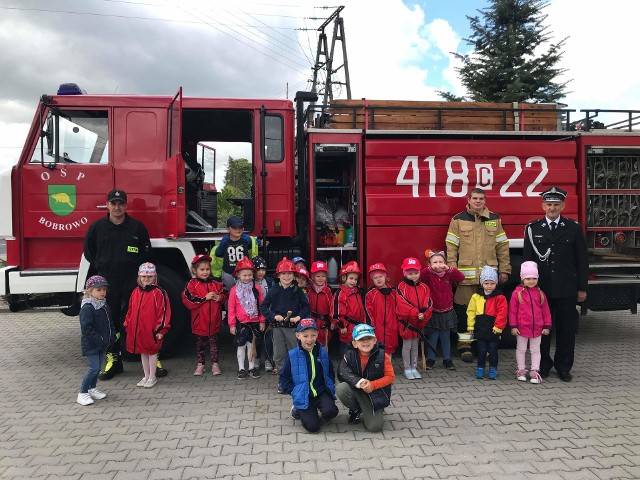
<point>245,321</point>
<point>529,318</point>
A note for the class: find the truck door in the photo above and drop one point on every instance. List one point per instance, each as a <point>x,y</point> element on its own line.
<point>64,184</point>
<point>173,196</point>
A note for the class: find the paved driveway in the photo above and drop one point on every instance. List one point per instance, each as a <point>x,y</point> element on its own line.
<point>448,425</point>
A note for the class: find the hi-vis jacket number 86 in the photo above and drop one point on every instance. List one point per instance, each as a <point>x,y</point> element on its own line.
<point>459,175</point>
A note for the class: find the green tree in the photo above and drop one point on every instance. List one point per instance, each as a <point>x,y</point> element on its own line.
<point>238,183</point>
<point>509,62</point>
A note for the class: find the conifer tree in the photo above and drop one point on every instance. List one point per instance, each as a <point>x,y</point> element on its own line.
<point>513,58</point>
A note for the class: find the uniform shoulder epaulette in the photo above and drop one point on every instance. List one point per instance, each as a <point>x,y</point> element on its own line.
<point>493,216</point>
<point>571,220</point>
<point>463,216</point>
<point>534,222</point>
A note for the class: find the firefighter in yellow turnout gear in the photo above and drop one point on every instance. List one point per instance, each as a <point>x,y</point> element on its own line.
<point>475,238</point>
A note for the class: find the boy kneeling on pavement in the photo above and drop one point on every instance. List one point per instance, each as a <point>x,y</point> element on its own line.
<point>366,374</point>
<point>307,375</point>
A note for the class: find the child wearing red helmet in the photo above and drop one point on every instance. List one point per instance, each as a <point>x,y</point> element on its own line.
<point>303,278</point>
<point>414,311</point>
<point>205,296</point>
<point>348,306</point>
<point>283,307</point>
<point>380,305</point>
<point>320,297</point>
<point>245,320</point>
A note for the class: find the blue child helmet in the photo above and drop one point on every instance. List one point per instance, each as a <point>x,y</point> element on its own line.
<point>299,259</point>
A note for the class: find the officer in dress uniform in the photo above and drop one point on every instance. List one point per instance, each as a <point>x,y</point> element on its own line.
<point>557,245</point>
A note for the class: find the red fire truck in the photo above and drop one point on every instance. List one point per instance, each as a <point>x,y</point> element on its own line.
<point>363,180</point>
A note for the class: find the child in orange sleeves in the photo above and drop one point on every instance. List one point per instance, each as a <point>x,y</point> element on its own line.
<point>245,320</point>
<point>205,296</point>
<point>320,297</point>
<point>348,307</point>
<point>380,305</point>
<point>414,311</point>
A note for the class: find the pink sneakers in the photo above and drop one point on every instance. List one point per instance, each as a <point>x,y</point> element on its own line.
<point>199,370</point>
<point>535,377</point>
<point>215,369</point>
<point>521,375</point>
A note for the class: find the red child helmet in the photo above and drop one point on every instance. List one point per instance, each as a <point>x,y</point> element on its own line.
<point>319,266</point>
<point>411,263</point>
<point>351,267</point>
<point>285,265</point>
<point>303,271</point>
<point>377,266</point>
<point>244,264</point>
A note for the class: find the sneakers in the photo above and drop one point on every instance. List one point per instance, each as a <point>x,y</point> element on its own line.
<point>448,364</point>
<point>215,369</point>
<point>254,372</point>
<point>480,372</point>
<point>521,375</point>
<point>160,372</point>
<point>416,373</point>
<point>430,364</point>
<point>493,373</point>
<point>198,371</point>
<point>268,366</point>
<point>275,371</point>
<point>112,368</point>
<point>242,374</point>
<point>96,394</point>
<point>295,414</point>
<point>142,382</point>
<point>84,399</point>
<point>535,377</point>
<point>354,416</point>
<point>151,382</point>
<point>408,374</point>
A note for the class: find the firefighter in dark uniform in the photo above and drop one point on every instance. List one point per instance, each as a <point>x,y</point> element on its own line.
<point>115,246</point>
<point>557,245</point>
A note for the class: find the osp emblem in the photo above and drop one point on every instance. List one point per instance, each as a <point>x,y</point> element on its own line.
<point>62,199</point>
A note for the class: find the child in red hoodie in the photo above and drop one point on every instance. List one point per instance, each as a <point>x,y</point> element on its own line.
<point>441,280</point>
<point>348,307</point>
<point>414,311</point>
<point>204,296</point>
<point>320,297</point>
<point>380,305</point>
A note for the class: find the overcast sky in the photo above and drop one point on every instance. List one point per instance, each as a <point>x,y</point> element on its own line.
<point>396,50</point>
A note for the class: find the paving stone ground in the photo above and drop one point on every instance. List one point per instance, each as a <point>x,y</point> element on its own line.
<point>447,425</point>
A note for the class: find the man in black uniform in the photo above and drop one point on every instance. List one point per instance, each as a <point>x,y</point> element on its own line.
<point>115,245</point>
<point>557,245</point>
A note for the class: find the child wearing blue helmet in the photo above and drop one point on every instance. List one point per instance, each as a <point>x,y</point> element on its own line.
<point>366,375</point>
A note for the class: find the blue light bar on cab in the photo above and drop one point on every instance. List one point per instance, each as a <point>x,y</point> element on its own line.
<point>70,89</point>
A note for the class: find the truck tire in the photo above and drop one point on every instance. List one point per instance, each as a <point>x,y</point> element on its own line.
<point>174,285</point>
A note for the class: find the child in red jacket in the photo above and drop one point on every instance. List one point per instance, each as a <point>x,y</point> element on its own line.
<point>204,296</point>
<point>441,280</point>
<point>529,318</point>
<point>348,307</point>
<point>147,321</point>
<point>245,320</point>
<point>486,319</point>
<point>380,304</point>
<point>414,311</point>
<point>320,297</point>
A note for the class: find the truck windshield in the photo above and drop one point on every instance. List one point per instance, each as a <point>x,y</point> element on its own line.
<point>81,136</point>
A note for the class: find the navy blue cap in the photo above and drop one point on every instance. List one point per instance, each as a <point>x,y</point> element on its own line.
<point>306,324</point>
<point>235,222</point>
<point>117,195</point>
<point>554,194</point>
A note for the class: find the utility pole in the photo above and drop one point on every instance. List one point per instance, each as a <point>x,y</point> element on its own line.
<point>325,60</point>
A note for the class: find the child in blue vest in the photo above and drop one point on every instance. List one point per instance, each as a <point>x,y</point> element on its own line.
<point>308,377</point>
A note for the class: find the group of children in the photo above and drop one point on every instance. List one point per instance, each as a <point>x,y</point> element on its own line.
<point>294,318</point>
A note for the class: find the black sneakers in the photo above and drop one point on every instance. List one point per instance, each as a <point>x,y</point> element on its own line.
<point>430,364</point>
<point>354,416</point>
<point>242,374</point>
<point>254,372</point>
<point>448,364</point>
<point>112,368</point>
